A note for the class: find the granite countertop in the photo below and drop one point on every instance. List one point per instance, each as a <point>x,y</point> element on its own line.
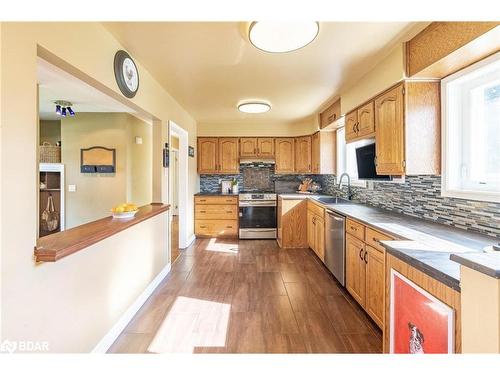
<point>423,244</point>
<point>487,263</point>
<point>300,195</point>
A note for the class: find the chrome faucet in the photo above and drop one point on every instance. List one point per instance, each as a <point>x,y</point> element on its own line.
<point>350,194</point>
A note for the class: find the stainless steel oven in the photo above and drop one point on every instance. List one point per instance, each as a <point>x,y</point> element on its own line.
<point>257,213</point>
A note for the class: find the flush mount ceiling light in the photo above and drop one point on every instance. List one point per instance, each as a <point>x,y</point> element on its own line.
<point>254,107</point>
<point>63,107</point>
<point>279,37</point>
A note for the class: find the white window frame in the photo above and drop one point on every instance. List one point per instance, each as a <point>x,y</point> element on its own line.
<point>342,160</point>
<point>448,146</point>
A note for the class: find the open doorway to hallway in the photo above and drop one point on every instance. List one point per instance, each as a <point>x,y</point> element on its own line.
<point>178,180</point>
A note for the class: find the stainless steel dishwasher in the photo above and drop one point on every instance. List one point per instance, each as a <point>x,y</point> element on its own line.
<point>335,245</point>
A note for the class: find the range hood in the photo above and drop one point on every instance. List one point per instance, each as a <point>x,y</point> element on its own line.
<point>256,161</point>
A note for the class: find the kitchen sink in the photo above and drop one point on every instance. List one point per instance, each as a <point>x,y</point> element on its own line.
<point>333,200</point>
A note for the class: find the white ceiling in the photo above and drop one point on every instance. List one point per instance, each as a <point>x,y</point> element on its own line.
<point>56,84</point>
<point>210,66</point>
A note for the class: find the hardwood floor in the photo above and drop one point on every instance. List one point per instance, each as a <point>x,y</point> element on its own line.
<point>230,296</point>
<point>174,244</point>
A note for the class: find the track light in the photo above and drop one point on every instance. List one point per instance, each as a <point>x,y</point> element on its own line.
<point>63,107</point>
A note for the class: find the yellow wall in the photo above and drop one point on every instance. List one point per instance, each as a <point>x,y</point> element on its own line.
<point>389,71</point>
<point>74,302</point>
<point>258,129</point>
<point>96,194</point>
<point>50,131</point>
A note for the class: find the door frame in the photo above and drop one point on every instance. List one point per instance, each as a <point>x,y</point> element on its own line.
<point>182,194</point>
<point>174,177</point>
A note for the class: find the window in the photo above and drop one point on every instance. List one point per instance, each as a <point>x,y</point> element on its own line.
<point>346,158</point>
<point>471,132</point>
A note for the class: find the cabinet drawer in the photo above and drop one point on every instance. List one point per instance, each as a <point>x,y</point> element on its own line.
<point>356,229</point>
<point>316,209</point>
<point>216,228</point>
<point>216,211</point>
<point>215,200</point>
<point>373,238</point>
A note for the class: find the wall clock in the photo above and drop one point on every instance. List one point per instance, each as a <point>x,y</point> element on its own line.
<point>126,74</point>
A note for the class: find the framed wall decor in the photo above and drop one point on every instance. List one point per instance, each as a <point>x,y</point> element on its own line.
<point>97,159</point>
<point>191,151</point>
<point>419,322</point>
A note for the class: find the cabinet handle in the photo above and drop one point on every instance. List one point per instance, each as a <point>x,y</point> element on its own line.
<point>375,240</point>
<point>352,228</point>
<point>360,251</point>
<point>203,212</point>
<point>255,151</point>
<point>375,160</point>
<point>364,258</point>
<point>229,226</point>
<point>229,212</point>
<point>203,226</point>
<point>258,151</point>
<point>309,166</point>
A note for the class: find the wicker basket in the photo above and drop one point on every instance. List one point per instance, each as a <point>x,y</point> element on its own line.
<point>49,153</point>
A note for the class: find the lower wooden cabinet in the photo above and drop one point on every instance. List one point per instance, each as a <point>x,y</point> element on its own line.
<point>316,229</point>
<point>292,223</point>
<point>365,269</point>
<point>355,268</point>
<point>216,216</point>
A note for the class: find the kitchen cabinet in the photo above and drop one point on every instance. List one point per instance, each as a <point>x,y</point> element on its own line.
<point>303,154</point>
<point>208,155</point>
<point>355,268</point>
<point>360,123</point>
<point>216,216</point>
<point>265,147</point>
<point>323,152</point>
<point>316,229</point>
<point>229,162</point>
<point>292,223</point>
<point>248,147</point>
<point>329,115</point>
<point>389,140</point>
<point>365,268</point>
<point>285,155</point>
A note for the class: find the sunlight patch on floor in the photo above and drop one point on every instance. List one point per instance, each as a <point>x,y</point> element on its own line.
<point>192,323</point>
<point>221,247</point>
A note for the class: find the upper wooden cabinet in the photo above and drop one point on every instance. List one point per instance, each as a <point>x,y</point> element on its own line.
<point>303,154</point>
<point>208,155</point>
<point>330,114</point>
<point>323,152</point>
<point>248,147</point>
<point>218,155</point>
<point>360,123</point>
<point>285,155</point>
<point>229,162</point>
<point>265,147</point>
<point>389,141</point>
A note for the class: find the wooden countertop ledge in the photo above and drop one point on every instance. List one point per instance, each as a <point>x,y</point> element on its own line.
<point>59,245</point>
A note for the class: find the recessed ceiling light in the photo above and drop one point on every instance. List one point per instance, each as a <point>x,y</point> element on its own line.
<point>254,107</point>
<point>282,36</point>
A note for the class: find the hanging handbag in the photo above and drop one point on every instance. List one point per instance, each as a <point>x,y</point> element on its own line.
<point>50,217</point>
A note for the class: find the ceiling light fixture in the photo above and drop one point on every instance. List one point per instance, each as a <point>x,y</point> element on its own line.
<point>279,37</point>
<point>254,107</point>
<point>63,107</point>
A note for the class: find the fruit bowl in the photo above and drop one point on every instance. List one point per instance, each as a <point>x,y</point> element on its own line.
<point>124,215</point>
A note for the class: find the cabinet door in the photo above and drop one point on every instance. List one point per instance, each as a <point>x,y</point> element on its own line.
<point>285,153</point>
<point>375,284</point>
<point>248,147</point>
<point>303,154</point>
<point>311,231</point>
<point>265,147</point>
<point>315,153</point>
<point>229,155</point>
<point>351,123</point>
<point>389,133</point>
<point>207,155</point>
<point>319,237</point>
<point>366,122</point>
<point>355,269</point>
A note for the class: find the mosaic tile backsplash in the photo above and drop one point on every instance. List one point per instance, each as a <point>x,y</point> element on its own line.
<point>418,196</point>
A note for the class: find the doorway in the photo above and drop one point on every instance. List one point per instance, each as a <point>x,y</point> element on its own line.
<point>178,181</point>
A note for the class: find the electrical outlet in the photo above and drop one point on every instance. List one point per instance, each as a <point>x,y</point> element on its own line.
<point>220,181</point>
<point>370,185</point>
<point>72,188</point>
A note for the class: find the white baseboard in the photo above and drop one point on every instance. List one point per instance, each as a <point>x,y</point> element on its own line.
<point>119,326</point>
<point>189,241</point>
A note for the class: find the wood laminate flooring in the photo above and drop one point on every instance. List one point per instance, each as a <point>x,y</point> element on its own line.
<point>249,296</point>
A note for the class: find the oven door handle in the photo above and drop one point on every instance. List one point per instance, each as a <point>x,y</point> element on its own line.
<point>255,204</point>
